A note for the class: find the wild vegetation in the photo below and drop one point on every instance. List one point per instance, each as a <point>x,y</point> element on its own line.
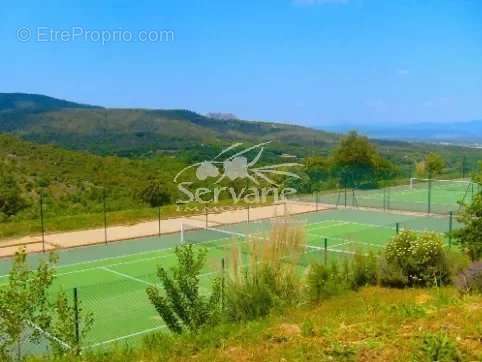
<point>28,308</point>
<point>270,308</point>
<point>265,280</point>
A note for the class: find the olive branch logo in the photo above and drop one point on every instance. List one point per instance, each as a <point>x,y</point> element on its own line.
<point>237,166</point>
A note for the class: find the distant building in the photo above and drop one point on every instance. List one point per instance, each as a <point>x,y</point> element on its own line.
<point>222,116</point>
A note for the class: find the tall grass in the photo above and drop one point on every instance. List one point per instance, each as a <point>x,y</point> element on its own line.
<point>265,274</point>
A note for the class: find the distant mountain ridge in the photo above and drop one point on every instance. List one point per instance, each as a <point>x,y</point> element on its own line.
<point>140,131</point>
<point>180,133</point>
<point>456,132</point>
<point>14,102</point>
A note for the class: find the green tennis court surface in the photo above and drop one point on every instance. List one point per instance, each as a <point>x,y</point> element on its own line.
<point>111,279</point>
<point>439,196</point>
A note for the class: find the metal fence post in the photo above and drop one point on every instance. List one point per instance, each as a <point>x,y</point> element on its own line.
<point>76,320</point>
<point>159,221</point>
<point>104,206</point>
<point>222,283</point>
<point>325,247</point>
<point>429,205</point>
<point>451,222</point>
<point>42,221</point>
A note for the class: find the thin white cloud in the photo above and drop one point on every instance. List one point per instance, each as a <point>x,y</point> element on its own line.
<point>402,71</point>
<point>319,2</point>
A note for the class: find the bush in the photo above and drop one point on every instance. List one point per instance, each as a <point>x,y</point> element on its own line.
<point>470,280</point>
<point>183,307</point>
<point>469,237</point>
<point>364,270</point>
<point>414,259</point>
<point>326,281</point>
<point>439,347</point>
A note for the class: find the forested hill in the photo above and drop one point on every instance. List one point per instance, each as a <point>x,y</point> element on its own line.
<point>133,132</point>
<point>143,132</point>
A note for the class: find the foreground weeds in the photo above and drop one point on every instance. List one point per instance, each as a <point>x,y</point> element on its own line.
<point>373,324</point>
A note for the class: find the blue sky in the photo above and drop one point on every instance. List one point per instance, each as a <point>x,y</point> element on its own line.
<point>311,62</point>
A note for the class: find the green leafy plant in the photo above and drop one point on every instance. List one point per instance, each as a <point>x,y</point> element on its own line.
<point>469,237</point>
<point>67,321</point>
<point>356,161</point>
<point>326,281</point>
<point>24,303</point>
<point>156,193</point>
<point>439,347</point>
<point>11,200</point>
<point>364,269</point>
<point>29,312</point>
<point>415,259</point>
<point>180,304</point>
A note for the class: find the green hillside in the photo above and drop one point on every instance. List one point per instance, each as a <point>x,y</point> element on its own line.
<point>73,182</point>
<point>134,132</point>
<point>188,135</point>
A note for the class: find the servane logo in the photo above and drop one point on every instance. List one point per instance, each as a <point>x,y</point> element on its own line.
<point>233,168</point>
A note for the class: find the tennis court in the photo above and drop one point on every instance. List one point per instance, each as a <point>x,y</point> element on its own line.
<point>436,196</point>
<point>111,279</point>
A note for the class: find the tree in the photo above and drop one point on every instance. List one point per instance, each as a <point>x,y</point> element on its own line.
<point>183,307</point>
<point>434,164</point>
<point>24,304</point>
<point>357,161</point>
<point>28,308</point>
<point>11,201</point>
<point>318,170</point>
<point>156,193</point>
<point>469,237</point>
<point>63,325</point>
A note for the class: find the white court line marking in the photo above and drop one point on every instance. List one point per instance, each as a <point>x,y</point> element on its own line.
<point>127,336</point>
<point>352,241</point>
<point>335,223</point>
<point>115,264</point>
<point>88,262</point>
<point>127,276</point>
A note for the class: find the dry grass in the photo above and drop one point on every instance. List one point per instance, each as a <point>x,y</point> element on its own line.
<point>374,324</point>
<point>281,247</point>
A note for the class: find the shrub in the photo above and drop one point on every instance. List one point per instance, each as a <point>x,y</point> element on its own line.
<point>439,347</point>
<point>457,261</point>
<point>469,237</point>
<point>183,307</point>
<point>414,259</point>
<point>326,281</point>
<point>364,269</point>
<point>269,279</point>
<point>470,280</point>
